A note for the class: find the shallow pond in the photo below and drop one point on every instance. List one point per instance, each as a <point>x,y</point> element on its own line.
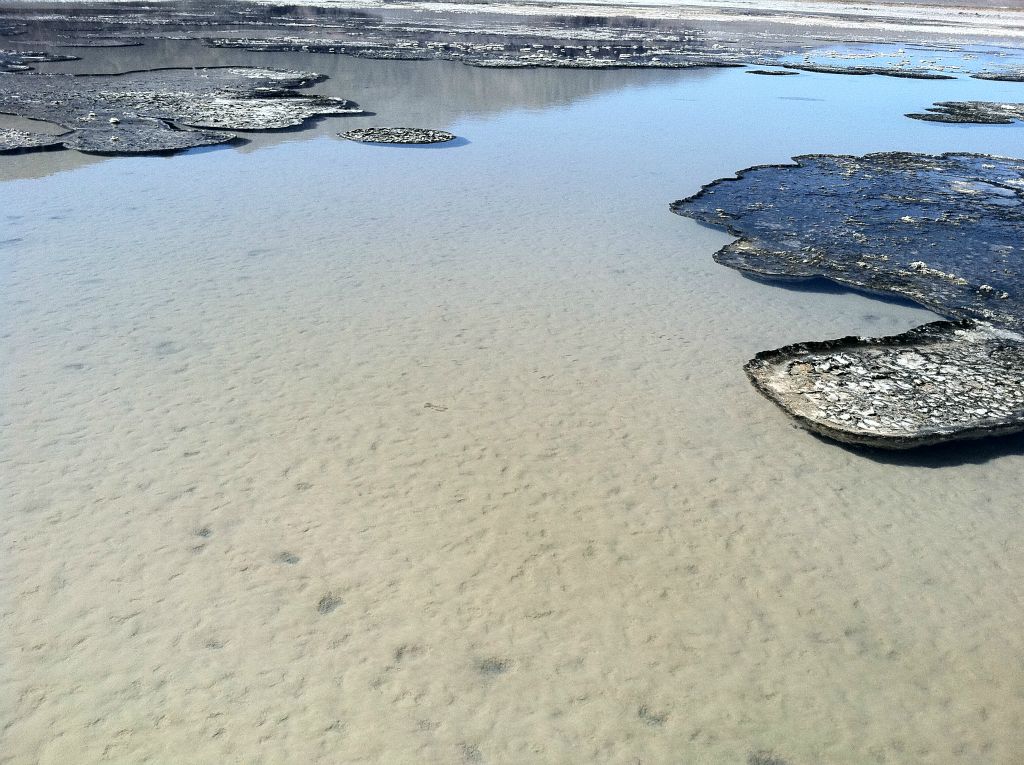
<point>321,451</point>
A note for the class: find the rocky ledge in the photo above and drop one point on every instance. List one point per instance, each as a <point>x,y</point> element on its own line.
<point>398,135</point>
<point>163,110</point>
<point>944,231</point>
<point>972,112</point>
<point>938,382</point>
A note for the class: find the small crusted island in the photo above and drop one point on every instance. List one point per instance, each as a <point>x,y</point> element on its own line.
<point>400,135</point>
<point>935,383</point>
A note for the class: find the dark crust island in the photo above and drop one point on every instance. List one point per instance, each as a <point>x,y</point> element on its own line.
<point>944,231</point>
<point>972,112</point>
<point>938,382</point>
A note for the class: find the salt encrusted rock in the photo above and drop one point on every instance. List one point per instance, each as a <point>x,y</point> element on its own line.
<point>938,382</point>
<point>946,232</point>
<point>397,135</point>
<point>933,229</point>
<point>973,112</point>
<point>165,110</point>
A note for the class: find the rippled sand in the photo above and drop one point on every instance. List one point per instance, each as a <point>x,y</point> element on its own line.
<point>323,452</point>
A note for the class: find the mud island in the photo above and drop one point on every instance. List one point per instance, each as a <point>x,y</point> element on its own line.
<point>942,231</point>
<point>159,111</point>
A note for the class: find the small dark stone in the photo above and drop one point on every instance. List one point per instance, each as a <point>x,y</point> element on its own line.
<point>328,603</point>
<point>765,757</point>
<point>290,558</point>
<point>494,666</point>
<point>654,719</point>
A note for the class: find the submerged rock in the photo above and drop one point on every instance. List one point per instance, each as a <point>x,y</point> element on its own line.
<point>972,112</point>
<point>938,382</point>
<point>944,231</point>
<point>165,110</point>
<point>398,135</point>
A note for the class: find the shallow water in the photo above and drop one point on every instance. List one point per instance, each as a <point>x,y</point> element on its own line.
<point>319,451</point>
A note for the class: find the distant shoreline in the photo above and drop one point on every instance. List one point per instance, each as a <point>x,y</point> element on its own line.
<point>933,19</point>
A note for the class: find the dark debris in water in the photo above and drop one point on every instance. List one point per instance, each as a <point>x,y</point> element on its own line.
<point>972,112</point>
<point>162,110</point>
<point>944,231</point>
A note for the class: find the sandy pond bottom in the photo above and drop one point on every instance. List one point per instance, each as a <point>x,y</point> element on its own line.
<point>322,452</point>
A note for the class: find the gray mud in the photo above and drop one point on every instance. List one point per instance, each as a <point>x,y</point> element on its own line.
<point>162,110</point>
<point>943,231</point>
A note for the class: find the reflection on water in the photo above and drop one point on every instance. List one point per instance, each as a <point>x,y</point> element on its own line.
<point>432,94</point>
<point>324,452</point>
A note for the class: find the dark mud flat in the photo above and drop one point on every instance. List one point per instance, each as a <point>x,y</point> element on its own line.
<point>944,231</point>
<point>159,111</point>
<point>972,112</point>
